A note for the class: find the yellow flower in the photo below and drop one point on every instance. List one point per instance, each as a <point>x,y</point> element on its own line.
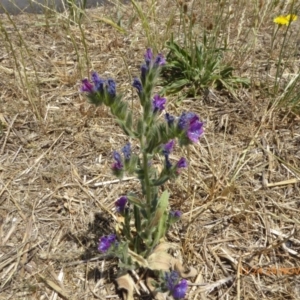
<point>281,20</point>
<point>285,20</point>
<point>291,18</point>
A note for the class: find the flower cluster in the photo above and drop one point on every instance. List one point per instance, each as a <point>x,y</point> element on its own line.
<point>121,204</point>
<point>166,150</point>
<point>107,242</point>
<point>149,59</point>
<point>99,89</point>
<point>117,165</point>
<point>151,62</point>
<point>158,103</point>
<point>175,214</point>
<point>119,162</point>
<point>189,128</point>
<point>176,286</point>
<point>190,124</point>
<point>98,85</point>
<point>285,20</point>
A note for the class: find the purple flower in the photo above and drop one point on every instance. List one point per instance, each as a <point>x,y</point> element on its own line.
<point>148,56</point>
<point>158,103</point>
<point>175,213</point>
<point>111,87</point>
<point>170,119</point>
<point>106,242</point>
<point>183,121</point>
<point>150,63</point>
<point>191,124</point>
<point>138,85</point>
<point>117,165</point>
<point>195,129</point>
<point>168,147</point>
<point>182,163</point>
<point>121,203</point>
<point>179,290</point>
<point>98,82</point>
<point>160,60</point>
<point>87,86</point>
<point>126,150</point>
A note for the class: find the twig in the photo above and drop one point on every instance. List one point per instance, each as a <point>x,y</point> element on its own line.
<point>284,182</point>
<point>8,132</point>
<point>112,181</point>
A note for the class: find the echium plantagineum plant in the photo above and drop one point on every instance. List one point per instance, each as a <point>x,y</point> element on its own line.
<point>140,241</point>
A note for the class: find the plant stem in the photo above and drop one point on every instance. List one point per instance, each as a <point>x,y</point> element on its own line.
<point>147,183</point>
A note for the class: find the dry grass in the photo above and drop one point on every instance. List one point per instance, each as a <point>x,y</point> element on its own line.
<point>240,197</point>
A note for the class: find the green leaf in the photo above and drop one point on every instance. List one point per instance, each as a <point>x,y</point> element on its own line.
<point>159,221</point>
<point>140,127</point>
<point>176,86</point>
<point>135,201</point>
<point>161,180</point>
<point>128,122</point>
<point>162,206</point>
<point>126,130</point>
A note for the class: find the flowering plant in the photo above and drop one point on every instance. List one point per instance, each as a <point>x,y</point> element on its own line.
<point>282,21</point>
<point>139,240</point>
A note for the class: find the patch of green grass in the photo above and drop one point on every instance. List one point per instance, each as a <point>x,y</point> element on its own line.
<point>196,68</point>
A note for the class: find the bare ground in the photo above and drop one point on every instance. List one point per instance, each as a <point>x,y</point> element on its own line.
<point>240,196</point>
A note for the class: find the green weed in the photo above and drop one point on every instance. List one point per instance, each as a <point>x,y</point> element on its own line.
<point>285,91</point>
<point>197,68</point>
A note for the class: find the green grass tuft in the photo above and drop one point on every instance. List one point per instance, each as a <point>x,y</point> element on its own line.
<point>197,68</point>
